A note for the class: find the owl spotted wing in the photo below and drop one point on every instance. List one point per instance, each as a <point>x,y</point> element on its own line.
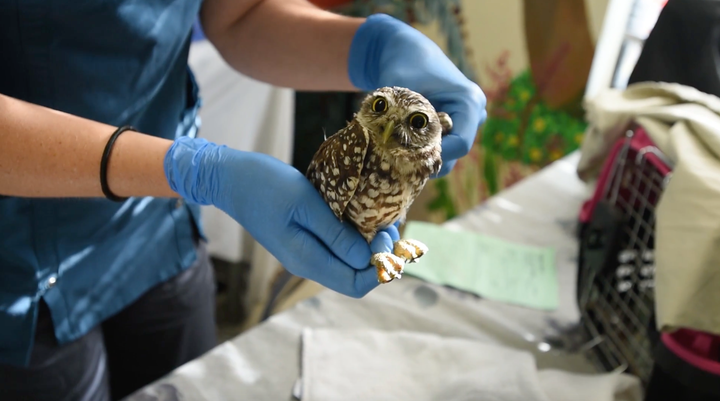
<point>335,169</point>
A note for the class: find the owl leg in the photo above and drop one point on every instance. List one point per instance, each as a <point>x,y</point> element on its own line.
<point>409,250</point>
<point>389,266</point>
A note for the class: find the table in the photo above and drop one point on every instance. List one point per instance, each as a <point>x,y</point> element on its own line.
<point>263,363</point>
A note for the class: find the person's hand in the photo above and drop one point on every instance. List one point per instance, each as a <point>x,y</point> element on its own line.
<point>279,207</point>
<point>388,52</point>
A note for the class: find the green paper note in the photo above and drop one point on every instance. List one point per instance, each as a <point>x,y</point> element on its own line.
<point>487,266</point>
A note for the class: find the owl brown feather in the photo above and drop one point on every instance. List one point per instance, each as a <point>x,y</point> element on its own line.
<point>336,169</point>
<point>371,171</point>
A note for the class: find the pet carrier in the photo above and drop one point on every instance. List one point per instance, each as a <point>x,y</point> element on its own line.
<point>616,263</point>
<point>616,281</point>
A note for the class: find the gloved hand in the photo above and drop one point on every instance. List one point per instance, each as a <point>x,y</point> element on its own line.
<point>279,207</point>
<point>388,52</point>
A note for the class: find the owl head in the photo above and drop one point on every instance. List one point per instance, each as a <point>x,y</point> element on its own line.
<point>401,119</point>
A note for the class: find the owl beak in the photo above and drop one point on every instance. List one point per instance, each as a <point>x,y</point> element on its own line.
<point>387,133</point>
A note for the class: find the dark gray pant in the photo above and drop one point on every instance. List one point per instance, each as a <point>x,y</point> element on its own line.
<point>171,324</point>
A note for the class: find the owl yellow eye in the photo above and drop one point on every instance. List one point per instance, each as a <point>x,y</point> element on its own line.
<point>418,121</point>
<point>379,105</point>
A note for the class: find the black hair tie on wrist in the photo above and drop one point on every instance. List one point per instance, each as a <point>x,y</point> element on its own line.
<point>104,162</point>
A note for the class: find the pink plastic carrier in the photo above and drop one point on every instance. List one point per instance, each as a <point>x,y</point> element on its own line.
<point>616,280</point>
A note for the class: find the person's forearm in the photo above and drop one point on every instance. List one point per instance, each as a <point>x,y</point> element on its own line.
<point>288,43</point>
<point>46,153</point>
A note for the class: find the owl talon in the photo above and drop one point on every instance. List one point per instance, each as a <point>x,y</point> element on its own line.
<point>409,249</point>
<point>389,266</point>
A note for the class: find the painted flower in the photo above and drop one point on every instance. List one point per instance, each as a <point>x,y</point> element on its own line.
<point>535,154</point>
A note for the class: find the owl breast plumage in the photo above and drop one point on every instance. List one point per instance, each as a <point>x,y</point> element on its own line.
<point>369,179</point>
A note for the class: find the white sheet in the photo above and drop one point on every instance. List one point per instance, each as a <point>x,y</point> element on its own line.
<point>365,364</point>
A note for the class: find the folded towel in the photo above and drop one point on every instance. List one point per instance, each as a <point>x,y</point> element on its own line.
<point>374,365</point>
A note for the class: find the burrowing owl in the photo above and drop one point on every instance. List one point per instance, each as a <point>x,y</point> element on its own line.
<point>371,171</point>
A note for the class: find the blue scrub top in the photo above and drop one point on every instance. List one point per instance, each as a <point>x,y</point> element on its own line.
<point>118,62</point>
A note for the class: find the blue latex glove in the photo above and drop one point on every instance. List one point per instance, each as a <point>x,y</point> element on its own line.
<point>388,52</point>
<point>279,207</point>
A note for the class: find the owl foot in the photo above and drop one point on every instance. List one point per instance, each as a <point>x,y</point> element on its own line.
<point>409,249</point>
<point>389,266</point>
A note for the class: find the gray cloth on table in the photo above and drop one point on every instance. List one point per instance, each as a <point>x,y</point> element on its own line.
<point>380,365</point>
<point>265,362</point>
